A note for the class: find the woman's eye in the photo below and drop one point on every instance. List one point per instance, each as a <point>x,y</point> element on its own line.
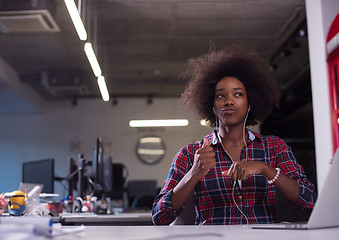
<point>220,95</point>
<point>239,94</point>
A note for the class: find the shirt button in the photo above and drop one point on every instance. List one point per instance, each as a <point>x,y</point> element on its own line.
<point>240,197</point>
<point>241,216</point>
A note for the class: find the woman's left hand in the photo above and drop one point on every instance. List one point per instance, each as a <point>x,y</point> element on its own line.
<point>244,169</point>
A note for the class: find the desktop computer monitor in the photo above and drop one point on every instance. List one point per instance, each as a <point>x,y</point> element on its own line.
<point>118,178</point>
<point>72,176</point>
<point>108,175</point>
<point>98,163</point>
<point>40,172</point>
<point>113,179</point>
<point>102,168</point>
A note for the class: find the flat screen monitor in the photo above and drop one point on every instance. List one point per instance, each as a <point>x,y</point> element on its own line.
<point>72,176</point>
<point>40,172</point>
<point>118,177</point>
<point>108,175</point>
<point>98,163</point>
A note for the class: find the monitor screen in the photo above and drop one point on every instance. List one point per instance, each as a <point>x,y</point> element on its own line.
<point>98,163</point>
<point>108,175</point>
<point>72,176</point>
<point>41,172</point>
<point>118,177</point>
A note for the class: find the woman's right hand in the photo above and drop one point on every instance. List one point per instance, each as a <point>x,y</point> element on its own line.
<point>204,160</point>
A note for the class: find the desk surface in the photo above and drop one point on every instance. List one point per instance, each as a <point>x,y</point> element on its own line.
<point>238,232</point>
<point>201,232</point>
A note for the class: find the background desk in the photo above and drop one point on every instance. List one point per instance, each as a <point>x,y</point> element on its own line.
<point>121,219</point>
<point>200,232</point>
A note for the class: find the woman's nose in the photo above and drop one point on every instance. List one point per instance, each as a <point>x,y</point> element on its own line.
<point>228,101</point>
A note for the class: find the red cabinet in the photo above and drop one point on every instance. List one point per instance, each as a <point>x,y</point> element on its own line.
<point>332,46</point>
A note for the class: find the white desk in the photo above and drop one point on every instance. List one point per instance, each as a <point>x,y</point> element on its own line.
<point>201,232</point>
<point>182,233</point>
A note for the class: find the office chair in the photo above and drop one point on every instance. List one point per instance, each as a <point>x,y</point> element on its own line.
<point>143,202</point>
<point>187,216</point>
<point>141,193</point>
<point>287,213</point>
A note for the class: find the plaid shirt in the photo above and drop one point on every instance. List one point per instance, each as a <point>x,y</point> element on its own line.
<point>213,194</point>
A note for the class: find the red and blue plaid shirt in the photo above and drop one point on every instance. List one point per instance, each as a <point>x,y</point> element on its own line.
<point>213,194</point>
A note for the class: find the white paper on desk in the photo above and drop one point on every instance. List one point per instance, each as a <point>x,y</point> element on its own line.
<point>31,225</point>
<point>59,230</point>
<point>33,228</point>
<point>18,232</point>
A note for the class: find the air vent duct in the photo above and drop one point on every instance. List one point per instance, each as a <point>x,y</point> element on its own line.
<point>64,83</point>
<point>17,16</point>
<point>27,21</point>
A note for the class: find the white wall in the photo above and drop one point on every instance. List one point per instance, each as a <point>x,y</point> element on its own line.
<point>16,97</point>
<point>320,14</point>
<point>39,136</point>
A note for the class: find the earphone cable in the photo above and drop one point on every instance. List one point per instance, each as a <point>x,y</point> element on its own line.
<point>242,213</point>
<point>246,158</point>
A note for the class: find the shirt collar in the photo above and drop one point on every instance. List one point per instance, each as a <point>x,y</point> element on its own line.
<point>214,136</point>
<point>250,135</point>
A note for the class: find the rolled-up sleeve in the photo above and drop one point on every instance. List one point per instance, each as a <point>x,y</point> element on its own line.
<point>162,212</point>
<point>290,167</point>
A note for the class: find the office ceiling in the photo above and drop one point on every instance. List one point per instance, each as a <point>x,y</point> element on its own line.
<point>143,45</point>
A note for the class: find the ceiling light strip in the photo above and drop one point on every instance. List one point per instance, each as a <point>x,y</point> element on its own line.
<point>78,24</point>
<point>159,123</point>
<point>103,88</point>
<point>92,59</point>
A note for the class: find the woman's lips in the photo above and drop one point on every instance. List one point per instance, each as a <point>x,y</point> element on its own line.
<point>229,110</point>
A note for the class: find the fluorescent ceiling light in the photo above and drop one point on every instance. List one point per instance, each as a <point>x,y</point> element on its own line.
<point>159,123</point>
<point>103,88</point>
<point>92,59</point>
<point>79,26</point>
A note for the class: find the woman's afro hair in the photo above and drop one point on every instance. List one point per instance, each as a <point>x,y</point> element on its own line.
<point>205,72</point>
